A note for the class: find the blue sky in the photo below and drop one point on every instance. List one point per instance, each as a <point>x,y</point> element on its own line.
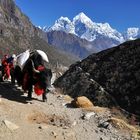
<point>120,14</point>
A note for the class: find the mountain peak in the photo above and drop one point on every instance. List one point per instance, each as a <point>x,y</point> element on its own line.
<point>132,33</point>
<point>64,19</point>
<point>81,14</point>
<point>83,18</point>
<point>63,24</point>
<point>133,30</point>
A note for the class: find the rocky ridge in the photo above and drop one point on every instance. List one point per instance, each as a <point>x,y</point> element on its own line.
<point>107,78</point>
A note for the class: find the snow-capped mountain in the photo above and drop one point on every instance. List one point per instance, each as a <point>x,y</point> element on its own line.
<point>132,33</point>
<point>63,24</point>
<point>99,35</point>
<point>84,27</point>
<point>87,29</point>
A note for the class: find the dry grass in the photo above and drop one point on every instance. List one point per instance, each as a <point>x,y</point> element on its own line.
<point>68,98</point>
<point>121,124</point>
<point>136,135</point>
<point>42,118</point>
<point>124,126</point>
<point>38,117</point>
<point>116,112</point>
<point>124,115</point>
<point>97,109</point>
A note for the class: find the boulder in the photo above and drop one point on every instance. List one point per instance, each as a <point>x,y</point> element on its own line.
<point>82,102</point>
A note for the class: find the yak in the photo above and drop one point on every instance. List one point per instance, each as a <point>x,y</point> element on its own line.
<point>34,74</point>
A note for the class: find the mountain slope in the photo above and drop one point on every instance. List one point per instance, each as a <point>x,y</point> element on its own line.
<point>111,73</point>
<point>17,34</point>
<point>70,43</point>
<point>100,36</point>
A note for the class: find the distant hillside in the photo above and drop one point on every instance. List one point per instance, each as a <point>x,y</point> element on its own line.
<point>56,56</point>
<point>17,34</point>
<point>108,78</point>
<point>70,43</point>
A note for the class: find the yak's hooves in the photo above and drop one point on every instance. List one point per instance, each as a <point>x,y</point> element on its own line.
<point>29,98</point>
<point>44,100</point>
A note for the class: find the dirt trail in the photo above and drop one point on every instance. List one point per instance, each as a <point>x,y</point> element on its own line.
<point>53,120</point>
